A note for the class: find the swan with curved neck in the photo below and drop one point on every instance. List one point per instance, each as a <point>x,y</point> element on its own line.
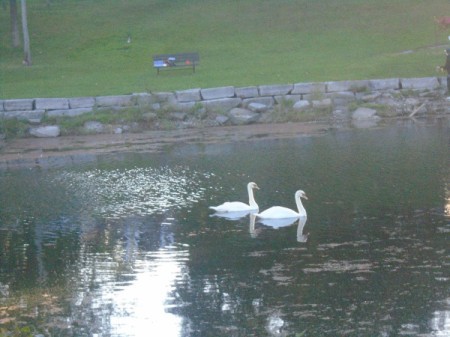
<point>238,206</point>
<point>278,212</point>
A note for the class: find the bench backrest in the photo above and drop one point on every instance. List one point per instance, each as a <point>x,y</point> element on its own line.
<point>186,59</point>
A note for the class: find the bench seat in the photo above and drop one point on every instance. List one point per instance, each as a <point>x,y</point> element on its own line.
<point>175,61</point>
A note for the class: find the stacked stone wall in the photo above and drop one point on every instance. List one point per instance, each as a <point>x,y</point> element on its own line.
<point>223,100</point>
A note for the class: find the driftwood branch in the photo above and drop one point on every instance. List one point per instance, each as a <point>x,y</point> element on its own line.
<point>416,110</point>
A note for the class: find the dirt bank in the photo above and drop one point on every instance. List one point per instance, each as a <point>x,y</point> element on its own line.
<point>28,152</point>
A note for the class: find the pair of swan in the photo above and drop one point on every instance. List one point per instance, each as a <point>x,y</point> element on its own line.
<point>275,212</point>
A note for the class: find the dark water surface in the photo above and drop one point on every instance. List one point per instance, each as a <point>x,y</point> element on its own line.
<point>129,247</point>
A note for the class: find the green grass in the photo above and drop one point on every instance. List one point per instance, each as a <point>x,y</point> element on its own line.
<point>79,46</point>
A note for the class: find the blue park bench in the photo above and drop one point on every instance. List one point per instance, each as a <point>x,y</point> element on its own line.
<point>175,61</point>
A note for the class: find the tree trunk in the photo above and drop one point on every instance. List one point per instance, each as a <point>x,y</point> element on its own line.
<point>14,24</point>
<point>26,37</point>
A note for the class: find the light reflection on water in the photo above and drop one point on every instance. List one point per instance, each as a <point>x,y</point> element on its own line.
<point>139,306</point>
<point>127,292</point>
<point>134,250</point>
<point>137,191</point>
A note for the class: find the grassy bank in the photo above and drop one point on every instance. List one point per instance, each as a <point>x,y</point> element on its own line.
<point>79,47</point>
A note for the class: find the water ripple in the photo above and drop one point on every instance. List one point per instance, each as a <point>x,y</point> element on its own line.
<point>138,191</point>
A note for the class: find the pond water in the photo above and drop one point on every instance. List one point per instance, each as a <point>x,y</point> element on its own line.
<point>128,246</point>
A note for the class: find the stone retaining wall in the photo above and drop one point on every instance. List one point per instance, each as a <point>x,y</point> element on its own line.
<point>218,100</point>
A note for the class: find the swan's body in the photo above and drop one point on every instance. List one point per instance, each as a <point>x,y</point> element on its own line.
<point>238,206</point>
<point>278,212</point>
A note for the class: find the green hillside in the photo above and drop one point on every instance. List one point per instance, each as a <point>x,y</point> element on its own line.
<point>79,47</point>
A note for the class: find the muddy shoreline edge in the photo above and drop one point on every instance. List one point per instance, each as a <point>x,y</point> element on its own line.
<point>70,150</point>
<point>73,150</point>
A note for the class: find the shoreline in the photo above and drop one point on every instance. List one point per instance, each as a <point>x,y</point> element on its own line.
<point>53,152</point>
<point>58,152</point>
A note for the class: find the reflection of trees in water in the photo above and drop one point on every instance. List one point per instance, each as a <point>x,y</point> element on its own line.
<point>363,285</point>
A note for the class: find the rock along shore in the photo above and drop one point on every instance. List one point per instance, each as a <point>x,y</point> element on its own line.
<point>191,113</point>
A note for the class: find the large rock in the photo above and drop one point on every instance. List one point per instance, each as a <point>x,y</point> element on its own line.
<point>190,95</point>
<point>31,116</point>
<point>364,113</point>
<point>429,83</point>
<point>184,106</point>
<point>46,131</point>
<point>221,104</point>
<point>275,90</point>
<point>257,107</point>
<point>51,103</point>
<point>239,116</point>
<point>364,118</point>
<point>114,101</point>
<point>68,112</point>
<point>81,102</point>
<point>301,105</point>
<point>353,86</point>
<point>283,99</point>
<point>144,99</point>
<point>165,98</point>
<point>217,93</point>
<point>385,84</point>
<point>268,101</point>
<point>308,88</point>
<point>246,92</point>
<point>18,104</point>
<point>342,98</point>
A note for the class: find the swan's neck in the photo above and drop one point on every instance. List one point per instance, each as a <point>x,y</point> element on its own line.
<point>301,209</point>
<point>251,198</point>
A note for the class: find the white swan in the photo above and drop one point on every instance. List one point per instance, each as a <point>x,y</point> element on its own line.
<point>278,212</point>
<point>238,206</point>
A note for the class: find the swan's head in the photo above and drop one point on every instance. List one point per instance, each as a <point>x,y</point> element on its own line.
<point>253,186</point>
<point>300,194</point>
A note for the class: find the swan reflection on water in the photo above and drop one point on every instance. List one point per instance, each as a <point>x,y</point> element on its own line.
<point>233,215</point>
<point>279,223</point>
